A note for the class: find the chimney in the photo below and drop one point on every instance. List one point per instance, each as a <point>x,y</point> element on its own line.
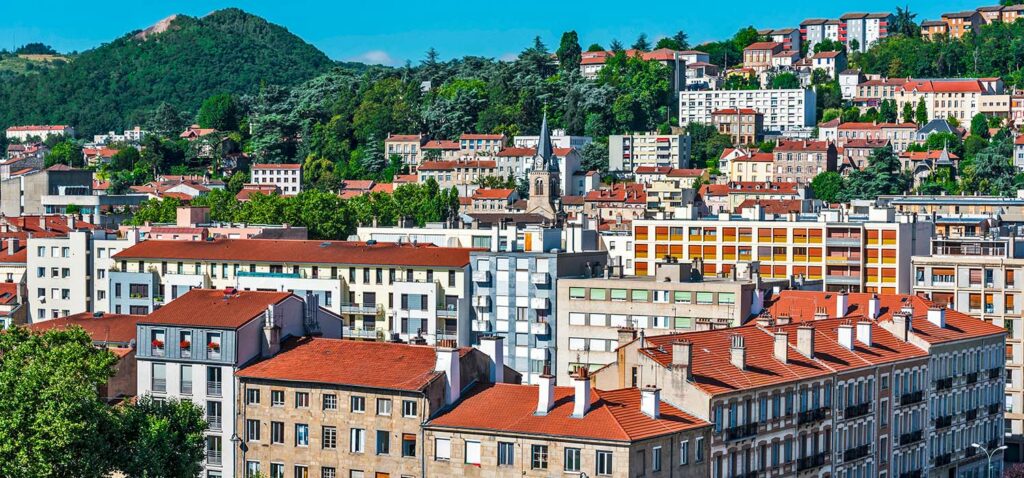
<point>545,392</point>
<point>874,307</point>
<point>738,352</point>
<point>650,402</point>
<point>846,336</point>
<point>842,304</point>
<point>271,333</point>
<point>805,340</point>
<point>493,347</point>
<point>764,320</point>
<point>937,316</point>
<point>12,246</point>
<point>682,357</point>
<point>820,313</point>
<point>581,401</point>
<point>448,362</point>
<point>783,319</point>
<point>864,332</point>
<point>71,222</point>
<point>781,346</point>
<point>626,335</point>
<point>901,325</point>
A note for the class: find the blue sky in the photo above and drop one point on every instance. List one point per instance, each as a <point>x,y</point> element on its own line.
<point>391,32</point>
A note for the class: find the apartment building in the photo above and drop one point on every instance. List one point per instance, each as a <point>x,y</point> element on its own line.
<point>815,30</point>
<point>726,198</point>
<point>788,37</point>
<point>801,161</point>
<point>817,387</point>
<point>934,29</point>
<point>597,315</point>
<point>940,205</point>
<point>959,24</point>
<point>441,149</point>
<point>287,177</point>
<point>1018,152</point>
<point>669,188</point>
<point>341,420</point>
<point>899,135</point>
<point>516,294</point>
<point>756,167</point>
<point>857,253</point>
<point>23,194</point>
<point>192,348</point>
<point>565,431</point>
<point>507,237</point>
<point>857,152</point>
<point>559,139</point>
<point>471,143</point>
<point>628,152</point>
<point>783,110</point>
<point>406,146</point>
<point>859,31</point>
<point>620,202</point>
<point>760,56</point>
<point>42,132</point>
<point>461,174</point>
<point>959,98</point>
<point>743,126</point>
<point>517,162</point>
<point>871,93</point>
<point>382,290</point>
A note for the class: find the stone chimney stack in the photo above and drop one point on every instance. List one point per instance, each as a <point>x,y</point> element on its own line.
<point>781,346</point>
<point>545,392</point>
<point>874,307</point>
<point>864,332</point>
<point>820,313</point>
<point>805,340</point>
<point>937,316</point>
<point>650,402</point>
<point>738,351</point>
<point>271,333</point>
<point>901,325</point>
<point>493,347</point>
<point>448,362</point>
<point>581,401</point>
<point>626,335</point>
<point>682,357</point>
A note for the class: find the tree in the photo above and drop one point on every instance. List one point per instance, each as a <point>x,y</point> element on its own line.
<point>35,49</point>
<point>904,24</point>
<point>908,112</point>
<point>887,111</point>
<point>785,81</point>
<point>851,114</point>
<point>54,423</point>
<point>882,176</point>
<point>682,39</point>
<point>124,159</point>
<point>979,126</point>
<point>827,186</point>
<point>679,41</point>
<point>616,46</point>
<point>594,156</point>
<point>166,120</point>
<point>569,53</point>
<point>220,112</point>
<point>66,152</point>
<point>237,181</point>
<point>641,43</point>
<point>160,439</point>
<point>992,171</point>
<point>921,115</point>
<point>595,47</point>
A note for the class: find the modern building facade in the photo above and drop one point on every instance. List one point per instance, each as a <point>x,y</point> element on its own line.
<point>287,177</point>
<point>628,152</point>
<point>783,110</point>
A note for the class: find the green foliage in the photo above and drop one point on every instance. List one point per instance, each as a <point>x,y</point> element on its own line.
<point>851,114</point>
<point>160,439</point>
<point>882,176</point>
<point>66,152</point>
<point>569,52</point>
<point>741,82</point>
<point>979,126</point>
<point>828,186</point>
<point>641,43</point>
<point>595,47</point>
<point>35,49</point>
<point>640,92</point>
<point>887,112</point>
<point>594,156</point>
<point>908,112</point>
<point>991,171</point>
<point>921,114</point>
<point>679,41</point>
<point>121,82</point>
<point>219,112</point>
<point>730,52</point>
<point>829,44</point>
<point>904,24</point>
<point>766,146</point>
<point>707,145</point>
<point>785,81</point>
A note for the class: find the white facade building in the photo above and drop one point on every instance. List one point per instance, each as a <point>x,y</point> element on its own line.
<point>287,177</point>
<point>783,109</point>
<point>558,140</point>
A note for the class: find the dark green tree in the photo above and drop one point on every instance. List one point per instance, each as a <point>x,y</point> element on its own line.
<point>904,23</point>
<point>220,112</point>
<point>908,112</point>
<point>828,186</point>
<point>785,81</point>
<point>882,176</point>
<point>569,52</point>
<point>887,111</point>
<point>641,43</point>
<point>594,47</point>
<point>979,126</point>
<point>66,152</point>
<point>921,115</point>
<point>160,439</point>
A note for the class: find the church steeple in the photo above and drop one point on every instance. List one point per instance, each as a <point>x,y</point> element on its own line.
<point>544,179</point>
<point>545,153</point>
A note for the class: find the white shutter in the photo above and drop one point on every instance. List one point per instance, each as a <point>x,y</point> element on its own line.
<point>473,452</point>
<point>442,449</point>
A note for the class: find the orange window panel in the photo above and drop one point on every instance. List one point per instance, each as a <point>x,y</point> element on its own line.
<point>872,253</point>
<point>641,233</point>
<point>872,234</point>
<point>641,251</point>
<point>764,235</point>
<point>1008,301</point>
<point>693,250</point>
<point>660,251</point>
<point>710,252</point>
<point>726,268</point>
<point>888,272</point>
<point>661,233</point>
<point>889,253</point>
<point>887,235</point>
<point>766,270</point>
<point>780,271</point>
<point>797,270</point>
<point>814,272</point>
<point>814,252</point>
<point>709,268</point>
<point>872,271</point>
<point>676,250</point>
<point>641,268</point>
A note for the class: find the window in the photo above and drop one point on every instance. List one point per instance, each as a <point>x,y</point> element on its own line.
<point>301,399</point>
<point>276,470</point>
<point>356,438</point>
<point>656,458</point>
<point>442,449</point>
<point>408,408</point>
<point>186,380</point>
<point>277,433</point>
<point>301,434</point>
<point>472,452</point>
<point>277,398</point>
<point>252,469</point>
<point>159,378</point>
<point>408,444</point>
<point>539,457</point>
<point>252,396</point>
<point>698,450</point>
<point>572,459</point>
<point>684,453</point>
<point>383,406</point>
<point>330,401</point>
<point>383,442</point>
<point>506,453</point>
<point>252,430</point>
<point>358,404</point>
<point>604,463</point>
<point>301,471</point>
<point>330,440</point>
<point>328,472</point>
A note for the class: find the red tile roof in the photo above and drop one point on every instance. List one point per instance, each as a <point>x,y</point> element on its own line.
<point>441,144</point>
<point>515,152</point>
<point>394,366</point>
<point>452,165</point>
<point>831,124</point>
<point>55,127</point>
<point>801,306</point>
<point>404,137</point>
<point>9,293</point>
<point>406,178</point>
<point>467,136</point>
<point>357,184</point>
<point>249,189</point>
<point>107,328</point>
<point>1019,140</point>
<point>773,206</point>
<point>828,54</point>
<point>802,145</point>
<point>685,173</point>
<point>756,158</point>
<point>301,252</point>
<point>875,126</point>
<point>53,223</point>
<point>950,86</point>
<point>485,193</point>
<point>214,307</point>
<point>748,187</point>
<point>276,166</point>
<point>614,414</point>
<point>763,45</point>
<point>925,155</point>
<point>621,193</point>
<point>652,169</point>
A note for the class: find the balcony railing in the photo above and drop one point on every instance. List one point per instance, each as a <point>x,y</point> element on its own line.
<point>911,474</point>
<point>214,422</point>
<point>911,398</point>
<point>360,333</point>
<point>944,384</point>
<point>159,385</point>
<point>972,377</point>
<point>993,409</point>
<point>854,411</point>
<point>972,414</point>
<point>856,453</point>
<point>539,327</point>
<point>213,457</point>
<point>740,432</point>
<point>275,275</point>
<point>810,416</point>
<point>186,388</point>
<point>447,313</point>
<point>944,459</point>
<point>943,422</point>
<point>994,373</point>
<point>358,309</point>
<point>911,437</point>
<point>811,461</point>
<point>214,389</point>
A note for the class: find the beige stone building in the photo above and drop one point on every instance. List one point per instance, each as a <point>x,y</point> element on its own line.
<point>358,415</point>
<point>743,125</point>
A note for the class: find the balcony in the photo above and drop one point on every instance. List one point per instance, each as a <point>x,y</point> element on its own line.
<point>540,278</point>
<point>944,384</point>
<point>972,377</point>
<point>912,437</point>
<point>481,276</point>
<point>943,422</point>
<point>539,303</point>
<point>972,414</point>
<point>447,313</point>
<point>481,326</point>
<point>911,474</point>
<point>214,389</point>
<point>740,432</point>
<point>944,459</point>
<point>213,457</point>
<point>215,423</point>
<point>448,334</point>
<point>911,398</point>
<point>539,327</point>
<point>361,333</point>
<point>994,409</point>
<point>811,416</point>
<point>271,275</point>
<point>837,279</point>
<point>482,301</point>
<point>856,453</point>
<point>994,373</point>
<point>813,461</point>
<point>358,309</point>
<point>855,411</point>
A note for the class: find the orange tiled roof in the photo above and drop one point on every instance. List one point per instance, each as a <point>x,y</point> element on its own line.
<point>485,193</point>
<point>107,328</point>
<point>404,137</point>
<point>301,252</point>
<point>452,165</point>
<point>621,192</point>
<point>467,136</point>
<point>47,127</point>
<point>756,158</point>
<point>441,144</point>
<point>773,206</point>
<point>685,173</point>
<point>9,293</point>
<point>957,86</point>
<point>214,308</point>
<point>748,187</point>
<point>925,155</point>
<point>1019,140</point>
<point>614,414</point>
<point>802,145</point>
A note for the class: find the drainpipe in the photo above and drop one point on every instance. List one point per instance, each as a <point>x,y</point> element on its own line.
<point>423,438</point>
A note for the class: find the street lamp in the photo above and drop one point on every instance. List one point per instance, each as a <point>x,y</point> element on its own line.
<point>988,471</point>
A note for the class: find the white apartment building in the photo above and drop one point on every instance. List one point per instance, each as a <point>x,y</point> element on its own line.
<point>24,133</point>
<point>129,136</point>
<point>68,274</point>
<point>558,140</point>
<point>1018,152</point>
<point>287,177</point>
<point>865,28</point>
<point>626,152</point>
<point>191,348</point>
<point>813,31</point>
<point>783,110</point>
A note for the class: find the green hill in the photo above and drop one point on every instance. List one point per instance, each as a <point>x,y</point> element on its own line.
<point>181,61</point>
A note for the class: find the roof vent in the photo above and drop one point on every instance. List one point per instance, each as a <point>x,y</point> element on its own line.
<point>325,243</point>
<point>371,242</point>
<point>97,315</point>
